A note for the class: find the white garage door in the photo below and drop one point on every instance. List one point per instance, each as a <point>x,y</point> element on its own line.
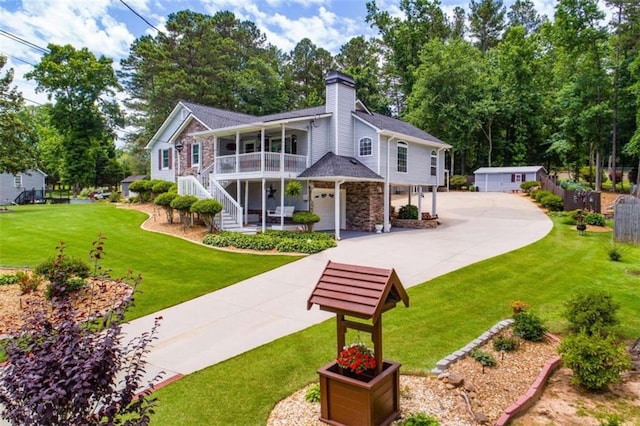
<point>324,206</point>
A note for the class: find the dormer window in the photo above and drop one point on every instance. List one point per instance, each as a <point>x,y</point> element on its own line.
<point>365,148</point>
<point>402,157</point>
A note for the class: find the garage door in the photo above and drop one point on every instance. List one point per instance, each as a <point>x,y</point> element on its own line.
<point>324,206</point>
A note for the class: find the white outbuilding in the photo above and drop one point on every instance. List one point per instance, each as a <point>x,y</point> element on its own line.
<point>506,179</point>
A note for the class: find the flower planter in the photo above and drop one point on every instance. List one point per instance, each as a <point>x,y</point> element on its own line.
<point>359,400</point>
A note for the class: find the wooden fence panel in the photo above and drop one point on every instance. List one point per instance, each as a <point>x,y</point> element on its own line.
<point>626,218</point>
<point>573,200</point>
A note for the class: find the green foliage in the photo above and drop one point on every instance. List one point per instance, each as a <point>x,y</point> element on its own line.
<point>408,211</point>
<point>8,279</point>
<point>538,195</point>
<point>293,188</point>
<point>589,174</point>
<point>114,197</point>
<point>574,186</point>
<point>143,188</point>
<point>28,282</point>
<point>313,393</point>
<point>65,274</point>
<point>485,359</point>
<point>552,202</point>
<point>592,311</point>
<point>165,199</point>
<point>72,266</point>
<point>528,326</point>
<point>183,203</point>
<point>595,219</point>
<point>282,241</point>
<point>307,219</point>
<point>505,340</point>
<point>419,419</point>
<point>457,182</point>
<point>597,361</point>
<point>207,210</point>
<point>71,285</point>
<point>614,251</point>
<point>529,185</point>
<point>159,186</point>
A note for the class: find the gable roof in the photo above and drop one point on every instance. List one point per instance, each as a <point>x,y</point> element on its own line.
<point>383,122</point>
<point>360,291</point>
<point>337,167</point>
<point>305,112</point>
<point>513,169</point>
<point>215,118</point>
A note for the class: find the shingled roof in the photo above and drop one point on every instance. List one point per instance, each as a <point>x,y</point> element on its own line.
<point>215,118</point>
<point>383,122</point>
<point>338,166</point>
<point>360,291</point>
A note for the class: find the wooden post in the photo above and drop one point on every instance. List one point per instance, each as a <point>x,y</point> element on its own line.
<point>341,332</point>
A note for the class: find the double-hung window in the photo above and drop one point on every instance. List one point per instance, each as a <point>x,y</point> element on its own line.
<point>434,163</point>
<point>165,159</point>
<point>365,148</point>
<point>402,157</point>
<point>17,181</point>
<point>195,154</point>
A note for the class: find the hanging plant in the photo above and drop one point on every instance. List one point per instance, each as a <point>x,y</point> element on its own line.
<point>293,189</point>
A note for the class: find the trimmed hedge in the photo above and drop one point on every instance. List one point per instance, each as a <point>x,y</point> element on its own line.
<point>594,219</point>
<point>529,185</point>
<point>282,241</point>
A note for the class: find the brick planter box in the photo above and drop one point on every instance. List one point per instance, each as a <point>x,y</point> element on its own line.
<point>364,401</point>
<point>414,223</point>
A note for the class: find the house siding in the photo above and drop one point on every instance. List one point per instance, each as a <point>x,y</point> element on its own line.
<point>340,101</point>
<point>363,130</point>
<point>418,165</point>
<point>321,143</point>
<point>501,182</point>
<point>33,179</point>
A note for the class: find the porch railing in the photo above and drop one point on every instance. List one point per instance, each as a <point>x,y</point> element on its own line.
<point>229,206</point>
<point>189,185</point>
<point>247,163</point>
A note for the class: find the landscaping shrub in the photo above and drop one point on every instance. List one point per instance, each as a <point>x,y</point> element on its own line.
<point>485,359</point>
<point>592,312</point>
<point>143,188</point>
<point>207,211</point>
<point>183,204</point>
<point>596,360</point>
<point>160,186</point>
<point>306,219</point>
<point>538,195</point>
<point>164,200</point>
<point>589,174</point>
<point>65,274</point>
<point>505,340</point>
<point>8,279</point>
<point>299,235</point>
<point>63,372</point>
<point>114,197</point>
<point>301,246</point>
<point>552,202</point>
<point>574,186</point>
<point>457,182</point>
<point>72,266</point>
<point>419,419</point>
<point>28,282</point>
<point>408,212</point>
<point>529,186</point>
<point>313,393</point>
<point>282,241</point>
<point>614,252</point>
<point>528,326</point>
<point>595,219</point>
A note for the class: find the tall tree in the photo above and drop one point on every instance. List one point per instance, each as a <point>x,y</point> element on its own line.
<point>447,85</point>
<point>360,58</point>
<point>16,152</point>
<point>523,13</point>
<point>305,70</point>
<point>486,22</point>
<point>423,21</point>
<point>84,110</point>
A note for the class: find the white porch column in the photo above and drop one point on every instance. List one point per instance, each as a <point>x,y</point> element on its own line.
<point>282,144</point>
<point>264,200</point>
<point>336,206</point>
<point>387,189</point>
<point>262,155</point>
<point>434,196</point>
<point>419,202</point>
<point>246,201</point>
<point>216,154</point>
<point>238,153</point>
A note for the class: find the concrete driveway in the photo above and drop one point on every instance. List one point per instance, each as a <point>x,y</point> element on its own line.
<point>228,322</point>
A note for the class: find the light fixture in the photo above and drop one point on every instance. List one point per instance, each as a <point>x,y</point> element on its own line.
<point>179,145</point>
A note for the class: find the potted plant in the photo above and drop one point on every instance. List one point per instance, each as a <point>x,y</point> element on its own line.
<point>378,227</point>
<point>356,358</point>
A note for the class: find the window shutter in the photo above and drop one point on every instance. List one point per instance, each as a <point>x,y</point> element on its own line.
<point>170,151</point>
<point>189,154</point>
<point>159,159</point>
<point>513,177</point>
<point>524,177</point>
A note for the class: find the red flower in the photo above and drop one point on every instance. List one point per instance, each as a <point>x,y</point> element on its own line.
<point>357,358</point>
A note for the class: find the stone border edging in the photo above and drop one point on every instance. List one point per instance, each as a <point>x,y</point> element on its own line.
<point>456,356</point>
<point>532,395</point>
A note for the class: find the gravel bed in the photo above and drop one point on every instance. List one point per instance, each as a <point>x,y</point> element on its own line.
<point>489,393</point>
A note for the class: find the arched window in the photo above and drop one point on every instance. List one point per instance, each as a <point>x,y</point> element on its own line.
<point>402,157</point>
<point>365,148</point>
<point>434,163</point>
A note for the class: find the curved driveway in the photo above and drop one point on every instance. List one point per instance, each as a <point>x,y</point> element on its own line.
<point>220,325</point>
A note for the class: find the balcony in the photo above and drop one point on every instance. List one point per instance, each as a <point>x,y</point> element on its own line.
<point>251,164</point>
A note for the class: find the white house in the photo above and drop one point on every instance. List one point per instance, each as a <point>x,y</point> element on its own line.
<point>506,179</point>
<point>23,187</point>
<point>347,157</point>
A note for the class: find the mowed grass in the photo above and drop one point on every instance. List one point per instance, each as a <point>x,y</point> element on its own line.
<point>173,270</point>
<point>444,315</point>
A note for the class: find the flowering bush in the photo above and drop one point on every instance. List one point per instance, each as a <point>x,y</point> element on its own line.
<point>505,340</point>
<point>356,357</point>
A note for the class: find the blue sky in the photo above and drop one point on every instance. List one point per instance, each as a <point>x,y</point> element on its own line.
<point>107,27</point>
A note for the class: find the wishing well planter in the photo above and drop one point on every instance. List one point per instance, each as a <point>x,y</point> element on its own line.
<point>351,401</point>
<point>362,292</point>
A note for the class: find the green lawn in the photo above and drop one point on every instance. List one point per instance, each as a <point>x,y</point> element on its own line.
<point>444,315</point>
<point>173,270</point>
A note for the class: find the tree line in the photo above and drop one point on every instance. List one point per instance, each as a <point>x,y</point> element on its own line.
<point>504,86</point>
